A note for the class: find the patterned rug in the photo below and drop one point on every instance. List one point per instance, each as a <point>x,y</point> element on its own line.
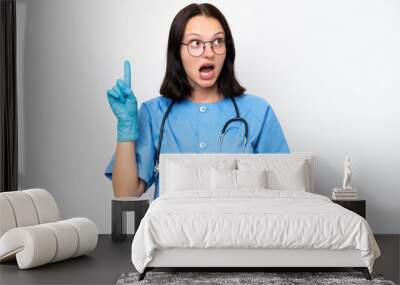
<point>269,278</point>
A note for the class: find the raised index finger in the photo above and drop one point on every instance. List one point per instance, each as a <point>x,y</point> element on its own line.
<point>127,73</point>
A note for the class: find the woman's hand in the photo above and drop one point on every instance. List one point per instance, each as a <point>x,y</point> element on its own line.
<point>124,106</point>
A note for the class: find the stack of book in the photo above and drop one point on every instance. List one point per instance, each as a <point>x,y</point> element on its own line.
<point>344,194</point>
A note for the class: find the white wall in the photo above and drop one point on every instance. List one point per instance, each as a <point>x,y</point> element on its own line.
<point>330,69</point>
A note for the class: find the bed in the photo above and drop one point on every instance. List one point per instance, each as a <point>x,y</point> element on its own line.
<point>248,210</point>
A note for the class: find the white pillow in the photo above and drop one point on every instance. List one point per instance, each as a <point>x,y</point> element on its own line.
<point>251,178</point>
<point>223,179</point>
<point>287,179</point>
<point>230,179</point>
<point>185,175</point>
<point>281,174</point>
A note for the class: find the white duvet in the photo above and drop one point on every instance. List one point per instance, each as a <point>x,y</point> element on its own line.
<point>251,218</point>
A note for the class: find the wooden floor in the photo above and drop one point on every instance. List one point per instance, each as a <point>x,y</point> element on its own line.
<point>111,259</point>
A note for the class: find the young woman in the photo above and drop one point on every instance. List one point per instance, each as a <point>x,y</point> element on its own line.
<point>199,95</point>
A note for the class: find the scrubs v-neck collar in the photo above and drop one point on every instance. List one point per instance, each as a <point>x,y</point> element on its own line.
<point>207,104</point>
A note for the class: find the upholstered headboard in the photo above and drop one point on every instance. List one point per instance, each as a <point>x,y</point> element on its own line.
<point>239,161</point>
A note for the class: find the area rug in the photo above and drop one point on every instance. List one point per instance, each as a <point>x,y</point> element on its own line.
<point>269,278</point>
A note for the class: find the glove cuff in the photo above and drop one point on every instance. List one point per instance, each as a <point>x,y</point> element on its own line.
<point>127,130</point>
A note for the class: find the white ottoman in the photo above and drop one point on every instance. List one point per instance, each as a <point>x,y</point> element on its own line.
<point>31,231</point>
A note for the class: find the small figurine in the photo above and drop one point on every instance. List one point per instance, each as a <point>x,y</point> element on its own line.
<point>347,174</point>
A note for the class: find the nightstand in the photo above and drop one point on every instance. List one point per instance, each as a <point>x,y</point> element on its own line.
<point>119,207</point>
<point>357,206</point>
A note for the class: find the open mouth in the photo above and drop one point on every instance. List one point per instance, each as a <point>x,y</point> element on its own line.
<point>205,68</point>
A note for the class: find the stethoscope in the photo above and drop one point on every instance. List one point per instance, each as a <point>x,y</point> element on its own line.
<point>221,139</point>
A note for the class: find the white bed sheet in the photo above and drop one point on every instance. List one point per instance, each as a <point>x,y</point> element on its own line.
<point>250,218</point>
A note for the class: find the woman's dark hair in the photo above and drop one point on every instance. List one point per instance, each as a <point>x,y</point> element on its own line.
<point>175,84</point>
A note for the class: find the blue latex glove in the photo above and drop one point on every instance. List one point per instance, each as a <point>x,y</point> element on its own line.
<point>124,106</point>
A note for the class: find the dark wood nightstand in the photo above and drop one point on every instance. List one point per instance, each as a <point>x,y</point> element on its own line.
<point>357,206</point>
<point>119,207</point>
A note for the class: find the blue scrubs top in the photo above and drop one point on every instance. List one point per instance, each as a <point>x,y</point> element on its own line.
<point>193,127</point>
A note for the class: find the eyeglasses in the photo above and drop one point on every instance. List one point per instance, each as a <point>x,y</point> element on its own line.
<point>196,47</point>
